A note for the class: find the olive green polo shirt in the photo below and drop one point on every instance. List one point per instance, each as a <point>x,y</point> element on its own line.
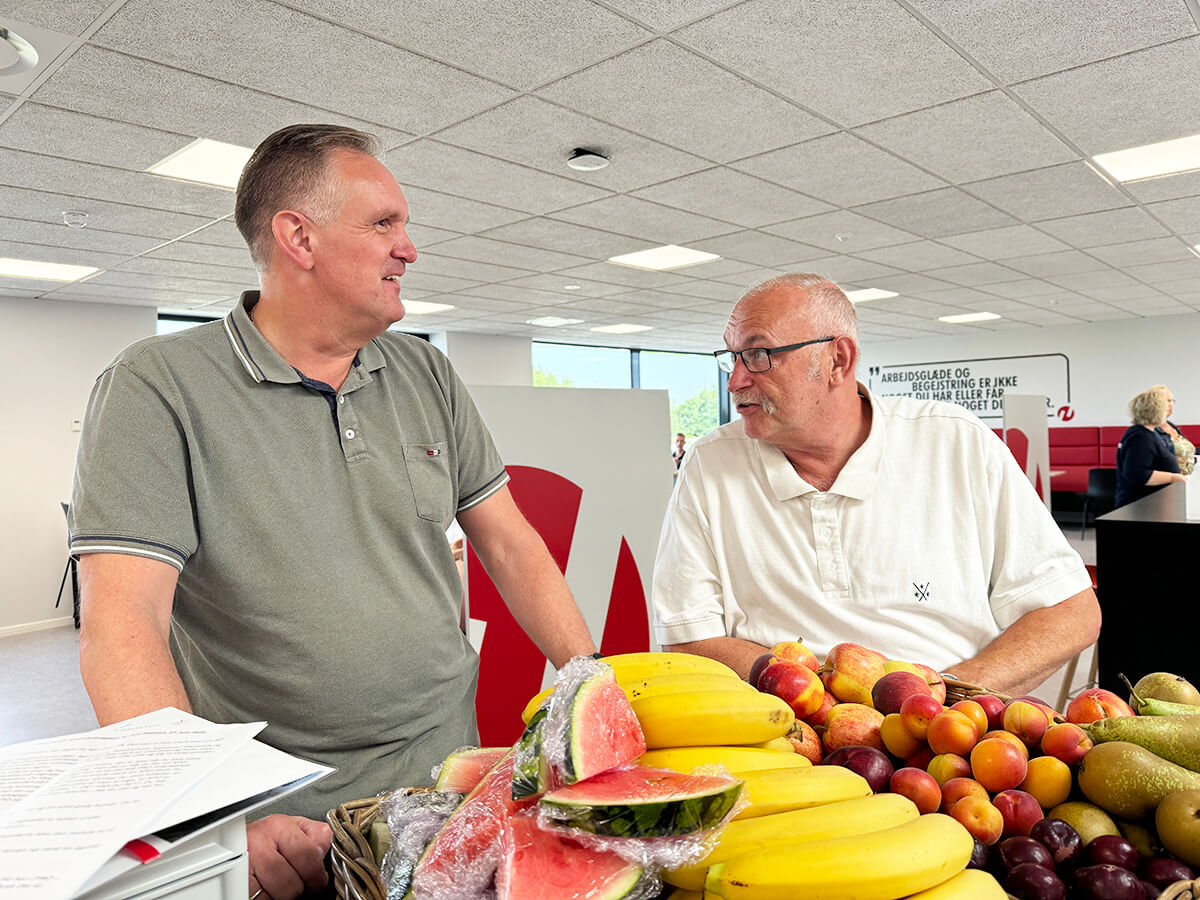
<point>317,590</point>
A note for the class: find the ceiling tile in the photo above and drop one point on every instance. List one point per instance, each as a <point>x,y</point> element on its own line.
<point>919,255</point>
<point>209,254</point>
<point>41,206</point>
<point>840,168</point>
<point>416,280</point>
<point>441,167</point>
<point>1137,252</point>
<point>624,275</point>
<point>454,267</point>
<point>759,249</point>
<point>182,102</point>
<point>553,284</point>
<point>1058,191</point>
<point>59,235</point>
<point>223,233</point>
<point>978,274</point>
<point>1166,271</point>
<point>1020,39</point>
<point>807,52</point>
<point>1182,216</point>
<point>68,16</point>
<point>1065,262</point>
<point>1004,138</point>
<point>459,214</point>
<point>1003,243</point>
<point>535,133</point>
<point>274,43</point>
<point>732,196</point>
<point>72,256</point>
<point>652,222</point>
<point>1109,227</point>
<point>1167,187</point>
<point>842,231</point>
<point>503,253</point>
<point>175,269</point>
<point>1123,102</point>
<point>87,138</point>
<point>565,237</point>
<point>936,214</point>
<point>847,269</point>
<point>1019,290</point>
<point>663,15</point>
<point>1089,282</point>
<point>679,110</point>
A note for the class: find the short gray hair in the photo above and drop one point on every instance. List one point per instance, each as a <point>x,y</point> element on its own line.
<point>1150,406</point>
<point>290,170</point>
<point>828,306</point>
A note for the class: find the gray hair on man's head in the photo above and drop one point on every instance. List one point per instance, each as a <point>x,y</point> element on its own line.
<point>828,307</point>
<point>290,170</point>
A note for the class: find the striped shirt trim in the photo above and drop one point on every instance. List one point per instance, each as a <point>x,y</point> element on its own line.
<point>132,546</point>
<point>483,493</point>
<point>241,350</point>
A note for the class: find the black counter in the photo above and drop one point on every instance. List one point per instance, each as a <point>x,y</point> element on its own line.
<point>1145,580</point>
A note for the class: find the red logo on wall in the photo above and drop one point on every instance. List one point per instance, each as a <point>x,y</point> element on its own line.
<point>510,665</point>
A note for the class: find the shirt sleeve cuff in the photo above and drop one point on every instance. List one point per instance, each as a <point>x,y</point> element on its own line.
<point>1051,592</point>
<point>684,632</point>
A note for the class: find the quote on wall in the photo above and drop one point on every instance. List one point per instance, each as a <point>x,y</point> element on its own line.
<point>978,384</point>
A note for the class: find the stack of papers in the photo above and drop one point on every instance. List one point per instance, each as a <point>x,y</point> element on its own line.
<point>79,811</point>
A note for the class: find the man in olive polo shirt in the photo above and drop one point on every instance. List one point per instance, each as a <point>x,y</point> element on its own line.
<point>261,503</point>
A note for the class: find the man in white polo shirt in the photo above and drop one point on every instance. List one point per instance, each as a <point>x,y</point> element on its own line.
<point>834,515</point>
<point>261,505</point>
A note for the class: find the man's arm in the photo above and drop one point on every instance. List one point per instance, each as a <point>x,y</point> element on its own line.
<point>528,578</point>
<point>736,653</point>
<point>125,629</point>
<point>1034,647</point>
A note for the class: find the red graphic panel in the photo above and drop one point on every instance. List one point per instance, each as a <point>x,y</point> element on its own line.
<point>1018,443</point>
<point>626,628</point>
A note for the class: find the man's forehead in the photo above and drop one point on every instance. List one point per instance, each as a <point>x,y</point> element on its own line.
<point>765,316</point>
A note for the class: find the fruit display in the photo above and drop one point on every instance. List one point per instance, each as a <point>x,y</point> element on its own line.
<point>856,776</point>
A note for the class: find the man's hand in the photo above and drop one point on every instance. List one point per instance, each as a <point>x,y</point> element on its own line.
<point>287,856</point>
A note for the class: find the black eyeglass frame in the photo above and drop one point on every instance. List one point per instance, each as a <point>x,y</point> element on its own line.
<point>726,357</point>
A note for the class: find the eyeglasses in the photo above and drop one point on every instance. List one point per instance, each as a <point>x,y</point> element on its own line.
<point>758,359</point>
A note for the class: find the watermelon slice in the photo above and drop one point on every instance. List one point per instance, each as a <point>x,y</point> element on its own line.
<point>531,773</point>
<point>601,729</point>
<point>463,769</point>
<point>542,865</point>
<point>639,802</point>
<point>460,862</point>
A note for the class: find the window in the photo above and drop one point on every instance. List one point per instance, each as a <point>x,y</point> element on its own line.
<point>574,365</point>
<point>169,323</point>
<point>691,383</point>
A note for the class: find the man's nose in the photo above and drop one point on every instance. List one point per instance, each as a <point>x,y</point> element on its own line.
<point>739,378</point>
<point>404,248</point>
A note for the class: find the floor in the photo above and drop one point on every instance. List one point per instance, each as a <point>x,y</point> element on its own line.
<point>42,695</point>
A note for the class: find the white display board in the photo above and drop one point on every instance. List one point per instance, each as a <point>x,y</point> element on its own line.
<point>1028,436</point>
<point>596,467</point>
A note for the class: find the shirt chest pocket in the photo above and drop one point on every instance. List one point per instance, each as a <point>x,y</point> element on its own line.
<point>428,468</point>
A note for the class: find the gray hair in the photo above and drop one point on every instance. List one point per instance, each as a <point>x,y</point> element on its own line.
<point>828,307</point>
<point>1150,406</point>
<point>290,170</point>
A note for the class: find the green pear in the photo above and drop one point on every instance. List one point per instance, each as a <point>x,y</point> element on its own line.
<point>1174,738</point>
<point>1128,781</point>
<point>1086,818</point>
<point>1165,686</point>
<point>1178,822</point>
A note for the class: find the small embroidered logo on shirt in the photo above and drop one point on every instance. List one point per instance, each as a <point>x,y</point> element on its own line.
<point>433,452</point>
<point>921,591</point>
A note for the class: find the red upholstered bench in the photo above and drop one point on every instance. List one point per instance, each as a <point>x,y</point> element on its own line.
<point>1072,452</point>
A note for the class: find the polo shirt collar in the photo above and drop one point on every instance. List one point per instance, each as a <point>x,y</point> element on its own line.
<point>260,359</point>
<point>858,476</point>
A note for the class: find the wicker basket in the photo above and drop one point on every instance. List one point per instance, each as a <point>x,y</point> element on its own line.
<point>963,690</point>
<point>355,868</point>
<point>1181,890</point>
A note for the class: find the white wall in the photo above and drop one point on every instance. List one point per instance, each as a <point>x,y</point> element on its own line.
<point>488,358</point>
<point>1110,362</point>
<point>51,353</point>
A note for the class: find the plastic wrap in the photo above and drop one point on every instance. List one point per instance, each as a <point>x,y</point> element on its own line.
<point>413,819</point>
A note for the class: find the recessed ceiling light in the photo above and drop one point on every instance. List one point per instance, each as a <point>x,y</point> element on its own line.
<point>582,160</point>
<point>622,328</point>
<point>205,161</point>
<point>1152,160</point>
<point>553,321</point>
<point>420,307</point>
<point>866,294</point>
<point>669,256</point>
<point>26,54</point>
<point>1195,250</point>
<point>572,287</point>
<point>968,317</point>
<point>44,271</point>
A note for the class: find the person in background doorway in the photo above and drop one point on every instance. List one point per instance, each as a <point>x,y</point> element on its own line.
<point>1146,458</point>
<point>677,454</point>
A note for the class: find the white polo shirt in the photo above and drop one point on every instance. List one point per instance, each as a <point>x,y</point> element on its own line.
<point>930,542</point>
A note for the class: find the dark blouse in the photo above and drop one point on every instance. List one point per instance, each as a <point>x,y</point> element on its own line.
<point>1141,452</point>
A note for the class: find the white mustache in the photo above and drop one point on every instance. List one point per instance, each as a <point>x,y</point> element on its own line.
<point>740,397</point>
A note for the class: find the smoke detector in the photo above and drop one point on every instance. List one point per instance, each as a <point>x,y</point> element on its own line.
<point>586,160</point>
<point>75,219</point>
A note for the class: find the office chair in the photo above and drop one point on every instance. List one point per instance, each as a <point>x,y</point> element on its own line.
<point>72,570</point>
<point>1101,492</point>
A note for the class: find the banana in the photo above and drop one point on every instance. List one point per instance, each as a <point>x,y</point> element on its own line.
<point>847,817</point>
<point>771,791</point>
<point>969,884</point>
<point>883,865</point>
<point>779,743</point>
<point>735,759</point>
<point>681,894</point>
<point>632,666</point>
<point>535,703</point>
<point>690,719</point>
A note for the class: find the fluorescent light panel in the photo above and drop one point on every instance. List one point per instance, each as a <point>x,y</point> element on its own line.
<point>421,307</point>
<point>968,317</point>
<point>866,294</point>
<point>1152,160</point>
<point>205,161</point>
<point>669,256</point>
<point>43,271</point>
<point>622,328</point>
<point>552,321</point>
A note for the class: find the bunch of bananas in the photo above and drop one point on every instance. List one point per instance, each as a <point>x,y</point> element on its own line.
<point>816,832</point>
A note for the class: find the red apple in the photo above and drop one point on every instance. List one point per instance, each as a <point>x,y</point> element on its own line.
<point>936,682</point>
<point>821,716</point>
<point>797,652</point>
<point>1020,810</point>
<point>795,684</point>
<point>852,723</point>
<point>806,741</point>
<point>1096,703</point>
<point>893,688</point>
<point>853,670</point>
<point>918,786</point>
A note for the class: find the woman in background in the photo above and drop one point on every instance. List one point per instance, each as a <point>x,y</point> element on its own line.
<point>1146,457</point>
<point>1184,450</point>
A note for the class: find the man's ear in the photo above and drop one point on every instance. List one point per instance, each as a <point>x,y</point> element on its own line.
<point>294,237</point>
<point>844,355</point>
